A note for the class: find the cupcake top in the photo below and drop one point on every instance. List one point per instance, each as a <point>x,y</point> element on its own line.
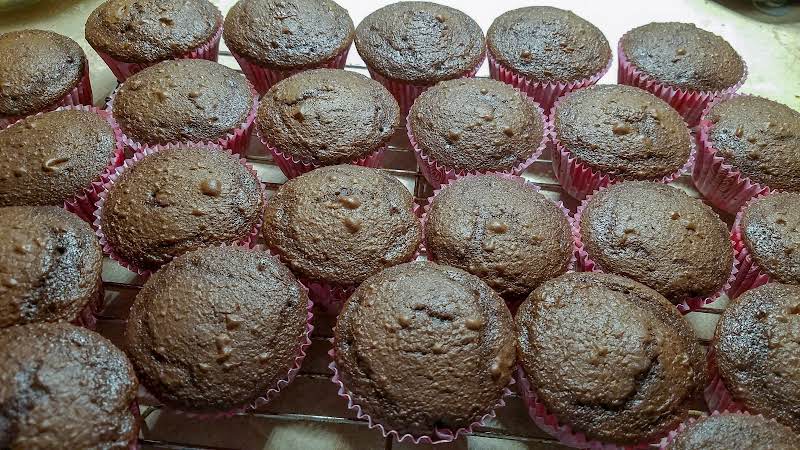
<point>735,432</point>
<point>177,200</point>
<point>609,357</point>
<point>187,100</point>
<point>49,158</point>
<point>476,125</point>
<point>37,69</point>
<point>501,230</point>
<point>341,224</point>
<point>288,34</point>
<point>221,350</point>
<point>658,236</point>
<point>420,42</point>
<point>769,228</point>
<point>50,265</point>
<point>64,386</point>
<point>623,131</point>
<point>756,346</point>
<point>683,56</point>
<point>146,31</point>
<point>328,116</point>
<point>548,44</point>
<point>759,138</point>
<point>423,347</point>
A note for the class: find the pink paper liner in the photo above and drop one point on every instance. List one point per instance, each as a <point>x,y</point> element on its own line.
<point>249,241</point>
<point>79,95</point>
<point>264,78</point>
<point>579,179</point>
<point>292,167</point>
<point>553,426</point>
<point>440,436</point>
<point>588,265</point>
<point>666,441</point>
<point>716,394</point>
<point>438,175</point>
<point>721,184</point>
<point>405,92</point>
<point>122,70</point>
<point>293,370</point>
<point>544,93</point>
<point>689,103</point>
<point>236,141</point>
<point>750,275</point>
<point>422,212</point>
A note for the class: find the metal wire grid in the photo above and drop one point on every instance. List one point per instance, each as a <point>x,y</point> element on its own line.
<point>405,169</point>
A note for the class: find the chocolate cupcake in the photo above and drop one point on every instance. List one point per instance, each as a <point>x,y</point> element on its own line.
<point>57,157</point>
<point>606,359</point>
<point>185,101</point>
<point>500,229</point>
<point>733,432</point>
<point>767,242</point>
<point>273,39</point>
<point>325,117</point>
<point>410,46</point>
<point>471,126</point>
<point>40,71</point>
<point>610,133</point>
<point>50,263</point>
<point>338,225</point>
<point>658,236</point>
<point>754,355</point>
<point>175,200</point>
<point>424,350</point>
<point>684,65</point>
<point>131,35</point>
<point>546,52</point>
<point>63,386</point>
<point>749,147</point>
<point>219,351</point>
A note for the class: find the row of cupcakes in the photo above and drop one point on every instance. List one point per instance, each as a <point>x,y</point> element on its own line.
<point>436,340</point>
<point>407,46</point>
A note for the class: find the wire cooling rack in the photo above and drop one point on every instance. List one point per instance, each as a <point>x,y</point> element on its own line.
<point>512,422</point>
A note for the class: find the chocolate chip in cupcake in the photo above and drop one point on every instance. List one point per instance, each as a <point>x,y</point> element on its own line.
<point>622,131</point>
<point>188,100</point>
<point>758,138</point>
<point>148,31</point>
<point>421,43</point>
<point>658,236</point>
<point>756,348</point>
<point>683,56</point>
<point>37,69</point>
<point>222,350</point>
<point>476,125</point>
<point>50,265</point>
<point>734,432</point>
<point>342,224</point>
<point>177,200</point>
<point>288,34</point>
<point>609,357</point>
<point>50,158</point>
<point>501,230</point>
<point>327,117</point>
<point>422,347</point>
<point>63,386</point>
<point>769,228</point>
<point>548,45</point>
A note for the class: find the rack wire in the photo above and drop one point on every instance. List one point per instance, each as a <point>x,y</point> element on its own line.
<point>512,423</point>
